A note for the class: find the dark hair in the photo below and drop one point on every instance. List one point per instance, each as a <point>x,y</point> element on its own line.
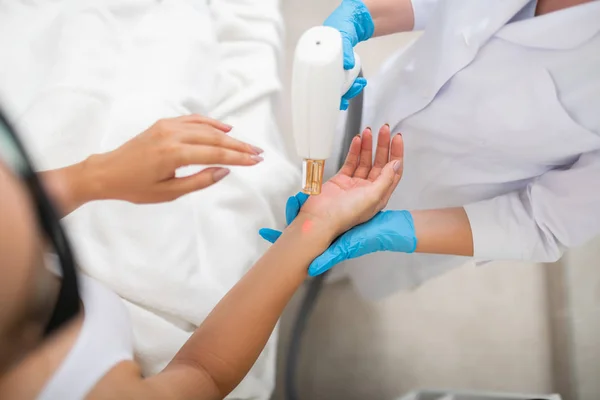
<point>68,302</point>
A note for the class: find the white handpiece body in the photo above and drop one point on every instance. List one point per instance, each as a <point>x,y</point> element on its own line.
<point>318,82</point>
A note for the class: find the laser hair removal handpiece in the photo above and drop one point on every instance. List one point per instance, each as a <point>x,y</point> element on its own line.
<point>318,82</point>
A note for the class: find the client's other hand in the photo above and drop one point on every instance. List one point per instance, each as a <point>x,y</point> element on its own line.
<point>354,195</point>
<point>143,169</point>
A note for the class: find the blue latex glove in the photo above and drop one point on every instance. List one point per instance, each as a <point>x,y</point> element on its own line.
<point>353,20</point>
<point>386,231</point>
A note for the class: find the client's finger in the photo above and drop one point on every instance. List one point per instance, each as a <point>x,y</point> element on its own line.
<point>396,154</point>
<point>178,187</point>
<point>206,155</point>
<point>386,182</point>
<point>352,158</point>
<point>208,135</point>
<point>366,155</point>
<point>200,119</point>
<point>397,147</point>
<point>382,153</point>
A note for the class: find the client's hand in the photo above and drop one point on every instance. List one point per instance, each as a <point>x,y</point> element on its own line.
<point>358,192</point>
<point>143,169</point>
<point>362,187</point>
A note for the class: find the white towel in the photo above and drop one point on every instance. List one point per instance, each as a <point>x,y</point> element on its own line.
<point>82,77</point>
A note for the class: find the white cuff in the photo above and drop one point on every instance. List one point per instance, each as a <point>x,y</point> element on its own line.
<point>495,235</point>
<point>422,10</point>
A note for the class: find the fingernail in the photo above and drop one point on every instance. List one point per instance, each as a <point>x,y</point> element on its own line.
<point>397,166</point>
<point>386,124</point>
<point>257,150</point>
<point>369,128</point>
<point>220,174</point>
<point>228,127</point>
<point>257,158</point>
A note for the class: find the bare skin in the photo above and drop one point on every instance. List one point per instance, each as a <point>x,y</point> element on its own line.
<point>222,350</point>
<point>143,169</point>
<point>548,6</point>
<point>391,16</point>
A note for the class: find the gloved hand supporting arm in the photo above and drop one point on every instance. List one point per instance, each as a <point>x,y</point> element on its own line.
<point>437,231</point>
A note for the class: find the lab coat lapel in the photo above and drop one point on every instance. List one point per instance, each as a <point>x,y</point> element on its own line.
<point>455,33</point>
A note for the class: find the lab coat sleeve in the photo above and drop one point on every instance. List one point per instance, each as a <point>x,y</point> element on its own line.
<point>422,10</point>
<point>560,209</point>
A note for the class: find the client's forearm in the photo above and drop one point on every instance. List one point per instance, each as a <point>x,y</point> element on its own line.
<point>71,187</point>
<point>391,16</point>
<point>231,338</point>
<point>443,231</point>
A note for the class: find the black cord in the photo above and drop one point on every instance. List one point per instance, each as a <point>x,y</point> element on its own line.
<point>315,285</point>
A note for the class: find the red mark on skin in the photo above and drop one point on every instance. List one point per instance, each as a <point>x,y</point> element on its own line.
<point>307,226</point>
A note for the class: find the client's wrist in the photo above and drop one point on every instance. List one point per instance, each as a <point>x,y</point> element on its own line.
<point>70,187</point>
<point>96,180</point>
<point>314,231</point>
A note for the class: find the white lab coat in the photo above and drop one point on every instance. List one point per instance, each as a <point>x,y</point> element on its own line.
<point>503,119</point>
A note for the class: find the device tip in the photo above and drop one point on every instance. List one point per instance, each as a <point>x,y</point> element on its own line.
<point>312,176</point>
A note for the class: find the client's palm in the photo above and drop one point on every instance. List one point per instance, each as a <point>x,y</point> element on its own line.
<point>362,187</point>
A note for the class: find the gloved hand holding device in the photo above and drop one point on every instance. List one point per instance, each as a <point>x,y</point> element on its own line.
<point>353,20</point>
<point>359,20</point>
